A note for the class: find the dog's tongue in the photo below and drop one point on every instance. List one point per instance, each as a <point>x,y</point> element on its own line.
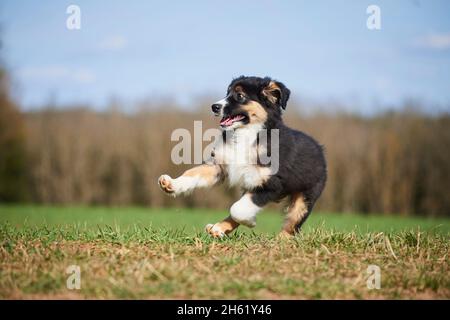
<point>228,121</point>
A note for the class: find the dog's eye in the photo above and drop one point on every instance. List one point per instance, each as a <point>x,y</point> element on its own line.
<point>240,97</point>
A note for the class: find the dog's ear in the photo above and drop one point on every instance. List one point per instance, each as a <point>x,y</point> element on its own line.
<point>277,93</point>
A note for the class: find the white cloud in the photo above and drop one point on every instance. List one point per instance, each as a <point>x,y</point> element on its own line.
<point>113,43</point>
<point>435,41</point>
<point>59,73</point>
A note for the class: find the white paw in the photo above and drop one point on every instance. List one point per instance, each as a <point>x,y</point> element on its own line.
<point>165,182</point>
<point>214,231</point>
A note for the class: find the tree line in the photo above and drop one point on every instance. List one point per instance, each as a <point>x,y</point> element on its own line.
<point>392,163</point>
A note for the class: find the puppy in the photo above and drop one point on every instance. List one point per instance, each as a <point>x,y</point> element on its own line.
<point>296,169</point>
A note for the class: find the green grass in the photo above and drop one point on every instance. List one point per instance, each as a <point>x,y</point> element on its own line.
<point>164,253</point>
<point>193,221</point>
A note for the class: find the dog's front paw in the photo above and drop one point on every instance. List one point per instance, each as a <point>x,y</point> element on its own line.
<point>166,184</point>
<point>214,231</point>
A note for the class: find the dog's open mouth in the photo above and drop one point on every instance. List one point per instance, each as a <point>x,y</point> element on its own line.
<point>229,120</point>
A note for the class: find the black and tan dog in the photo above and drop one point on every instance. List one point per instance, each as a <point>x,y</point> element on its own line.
<point>253,104</point>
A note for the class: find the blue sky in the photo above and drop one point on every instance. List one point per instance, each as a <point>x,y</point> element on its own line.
<point>182,50</point>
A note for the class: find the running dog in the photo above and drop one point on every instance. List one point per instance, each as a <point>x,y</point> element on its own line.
<point>254,105</point>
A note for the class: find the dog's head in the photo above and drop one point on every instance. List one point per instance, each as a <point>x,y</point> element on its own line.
<point>251,100</point>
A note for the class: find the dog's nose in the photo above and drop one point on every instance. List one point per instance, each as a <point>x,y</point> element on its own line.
<point>216,107</point>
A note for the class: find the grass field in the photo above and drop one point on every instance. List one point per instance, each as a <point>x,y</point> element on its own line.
<point>164,253</point>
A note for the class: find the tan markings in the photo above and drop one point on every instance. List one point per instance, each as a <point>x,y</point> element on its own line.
<point>256,112</point>
<point>272,92</point>
<point>225,226</point>
<point>265,173</point>
<point>295,213</point>
<point>238,89</point>
<point>211,173</point>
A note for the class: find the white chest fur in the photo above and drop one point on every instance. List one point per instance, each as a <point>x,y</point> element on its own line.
<point>239,157</point>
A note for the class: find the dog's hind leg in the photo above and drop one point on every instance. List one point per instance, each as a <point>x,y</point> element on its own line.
<point>296,213</point>
<point>300,207</point>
